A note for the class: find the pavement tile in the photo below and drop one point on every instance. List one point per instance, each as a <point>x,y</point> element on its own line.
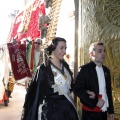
<point>14,109</point>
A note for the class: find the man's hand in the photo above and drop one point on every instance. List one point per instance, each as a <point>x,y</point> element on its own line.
<point>100,103</point>
<point>91,94</point>
<point>111,117</point>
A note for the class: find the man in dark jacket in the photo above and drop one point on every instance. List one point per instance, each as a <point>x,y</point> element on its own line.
<point>93,86</point>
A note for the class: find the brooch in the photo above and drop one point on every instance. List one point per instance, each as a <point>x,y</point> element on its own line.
<point>54,73</point>
<point>105,74</point>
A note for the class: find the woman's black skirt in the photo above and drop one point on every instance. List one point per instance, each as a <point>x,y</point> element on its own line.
<point>58,108</point>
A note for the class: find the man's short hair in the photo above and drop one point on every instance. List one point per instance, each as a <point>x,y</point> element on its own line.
<point>92,46</point>
<point>39,40</point>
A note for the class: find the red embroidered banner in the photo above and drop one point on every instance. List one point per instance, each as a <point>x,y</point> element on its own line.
<point>18,60</point>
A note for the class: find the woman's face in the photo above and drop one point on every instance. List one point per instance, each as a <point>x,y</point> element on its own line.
<point>60,50</point>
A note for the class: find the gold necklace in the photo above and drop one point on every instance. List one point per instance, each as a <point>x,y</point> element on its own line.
<point>65,76</point>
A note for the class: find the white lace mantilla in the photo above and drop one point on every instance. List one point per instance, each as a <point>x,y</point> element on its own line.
<point>63,81</point>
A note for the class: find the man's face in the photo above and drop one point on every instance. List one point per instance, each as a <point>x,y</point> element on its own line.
<point>99,53</point>
<point>37,44</point>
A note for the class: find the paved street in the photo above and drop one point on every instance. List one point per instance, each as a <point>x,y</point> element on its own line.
<point>14,109</point>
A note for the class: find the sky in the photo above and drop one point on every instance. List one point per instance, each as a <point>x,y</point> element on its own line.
<point>6,7</point>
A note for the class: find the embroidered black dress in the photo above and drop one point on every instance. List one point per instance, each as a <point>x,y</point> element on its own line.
<point>43,103</point>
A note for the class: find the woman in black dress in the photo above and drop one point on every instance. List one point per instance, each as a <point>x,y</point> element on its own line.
<point>49,95</point>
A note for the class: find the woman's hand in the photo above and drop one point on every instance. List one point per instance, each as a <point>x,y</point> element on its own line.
<point>91,94</point>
